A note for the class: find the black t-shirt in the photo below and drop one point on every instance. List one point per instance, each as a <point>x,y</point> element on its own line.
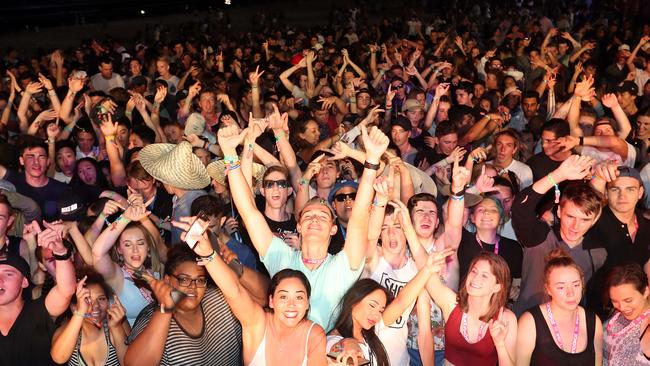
<point>46,197</point>
<point>509,249</point>
<point>29,339</point>
<point>542,165</point>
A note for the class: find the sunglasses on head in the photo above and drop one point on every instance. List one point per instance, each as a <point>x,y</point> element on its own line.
<point>281,183</point>
<point>341,197</point>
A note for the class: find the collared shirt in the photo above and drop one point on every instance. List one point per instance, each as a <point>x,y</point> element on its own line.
<point>181,208</point>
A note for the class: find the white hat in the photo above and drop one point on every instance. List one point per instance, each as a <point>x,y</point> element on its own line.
<point>195,124</point>
<point>510,90</point>
<point>175,165</point>
<point>623,47</point>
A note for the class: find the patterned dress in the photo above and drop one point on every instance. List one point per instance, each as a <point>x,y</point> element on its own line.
<point>623,349</point>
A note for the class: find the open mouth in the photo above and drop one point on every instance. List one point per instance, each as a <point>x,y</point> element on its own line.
<point>290,314</point>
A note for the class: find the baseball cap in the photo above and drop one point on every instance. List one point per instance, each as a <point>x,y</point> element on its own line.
<point>340,185</point>
<point>623,47</point>
<point>628,86</point>
<point>411,105</point>
<point>626,171</point>
<point>402,122</point>
<point>16,261</point>
<point>510,90</point>
<point>137,81</point>
<point>71,208</point>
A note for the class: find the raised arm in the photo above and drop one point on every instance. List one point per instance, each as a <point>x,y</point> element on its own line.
<point>375,143</point>
<point>58,298</point>
<point>460,177</point>
<point>51,93</point>
<point>409,293</point>
<point>229,138</point>
<point>284,77</point>
<point>74,86</point>
<point>624,128</point>
<point>357,69</point>
<point>613,143</point>
<point>116,166</point>
<point>253,79</point>
<point>65,338</point>
<point>630,60</point>
<point>583,91</point>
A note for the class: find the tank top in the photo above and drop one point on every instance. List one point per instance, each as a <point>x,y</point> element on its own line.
<point>394,336</point>
<point>547,353</point>
<point>460,352</point>
<point>111,358</point>
<point>132,298</point>
<point>259,359</point>
<point>623,349</point>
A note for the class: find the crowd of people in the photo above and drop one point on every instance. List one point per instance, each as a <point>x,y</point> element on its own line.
<point>432,189</point>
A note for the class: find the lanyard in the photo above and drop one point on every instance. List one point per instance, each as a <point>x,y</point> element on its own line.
<point>496,244</point>
<point>556,330</point>
<point>632,325</point>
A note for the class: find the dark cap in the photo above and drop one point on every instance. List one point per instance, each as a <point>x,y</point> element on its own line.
<point>628,86</point>
<point>71,208</point>
<point>626,171</point>
<point>340,185</point>
<point>137,81</point>
<point>403,122</point>
<point>16,261</point>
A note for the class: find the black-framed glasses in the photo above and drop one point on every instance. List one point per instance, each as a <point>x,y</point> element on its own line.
<point>185,281</point>
<point>269,184</point>
<point>343,196</point>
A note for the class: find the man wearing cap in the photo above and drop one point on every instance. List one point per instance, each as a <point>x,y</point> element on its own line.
<point>341,198</point>
<point>182,173</point>
<point>400,132</point>
<point>27,326</point>
<point>623,230</point>
<point>616,72</point>
<point>626,94</point>
<point>330,276</point>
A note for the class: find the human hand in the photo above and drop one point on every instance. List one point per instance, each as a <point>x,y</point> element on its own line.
<point>53,131</point>
<point>375,143</point>
<point>607,171</point>
<point>610,101</point>
<point>46,115</point>
<point>498,329</point>
<point>576,167</point>
<point>437,261</point>
<point>203,246</point>
<point>136,213</point>
<point>194,90</point>
<point>47,83</point>
<point>83,297</point>
<point>441,89</point>
<point>460,176</point>
<point>108,127</point>
<point>116,313</point>
<point>313,168</point>
<point>161,93</point>
<point>33,88</point>
<point>254,77</point>
<point>484,183</point>
<point>390,94</point>
<point>340,150</point>
<point>30,231</point>
<point>402,215</point>
<point>230,226</point>
<point>229,138</point>
<point>75,84</point>
<point>110,208</point>
<point>57,58</point>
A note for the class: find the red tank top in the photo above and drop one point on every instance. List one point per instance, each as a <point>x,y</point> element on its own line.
<point>459,352</point>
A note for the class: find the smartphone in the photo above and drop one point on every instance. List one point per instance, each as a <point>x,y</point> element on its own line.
<point>361,361</point>
<point>199,226</point>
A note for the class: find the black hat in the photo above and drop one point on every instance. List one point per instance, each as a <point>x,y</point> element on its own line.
<point>628,86</point>
<point>403,122</point>
<point>71,208</point>
<point>16,261</point>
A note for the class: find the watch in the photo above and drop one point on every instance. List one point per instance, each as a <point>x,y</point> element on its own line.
<point>371,166</point>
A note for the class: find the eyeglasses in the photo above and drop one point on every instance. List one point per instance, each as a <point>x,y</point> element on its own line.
<point>400,86</point>
<point>185,281</point>
<point>281,183</point>
<point>343,196</point>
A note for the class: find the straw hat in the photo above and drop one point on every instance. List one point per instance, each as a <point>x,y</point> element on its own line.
<point>217,170</point>
<point>174,164</point>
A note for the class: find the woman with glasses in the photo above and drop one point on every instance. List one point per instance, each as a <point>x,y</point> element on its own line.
<point>191,323</point>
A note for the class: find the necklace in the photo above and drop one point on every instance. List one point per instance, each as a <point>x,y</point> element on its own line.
<point>313,261</point>
<point>556,330</point>
<point>464,329</point>
<point>631,325</point>
<point>496,244</point>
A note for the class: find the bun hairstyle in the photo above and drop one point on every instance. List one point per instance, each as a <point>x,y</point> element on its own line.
<point>559,258</point>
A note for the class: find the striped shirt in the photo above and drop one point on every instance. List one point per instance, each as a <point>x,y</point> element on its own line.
<point>220,341</point>
<point>77,358</point>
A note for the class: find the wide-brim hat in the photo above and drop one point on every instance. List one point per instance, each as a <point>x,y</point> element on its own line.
<point>174,164</point>
<point>217,171</point>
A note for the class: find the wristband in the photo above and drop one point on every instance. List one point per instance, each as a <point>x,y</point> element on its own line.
<point>582,141</point>
<point>68,128</point>
<point>109,138</point>
<point>457,198</point>
<point>203,260</point>
<point>128,113</point>
<point>122,219</point>
<point>459,193</point>
<point>303,182</point>
<point>156,105</point>
<point>557,188</point>
<point>371,166</point>
<point>230,158</point>
<point>62,257</point>
<point>79,314</point>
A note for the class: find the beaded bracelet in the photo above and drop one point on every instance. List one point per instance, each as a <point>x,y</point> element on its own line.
<point>231,158</point>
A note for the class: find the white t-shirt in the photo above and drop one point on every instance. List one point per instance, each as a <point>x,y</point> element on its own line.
<point>172,84</point>
<point>640,78</point>
<point>607,155</point>
<point>521,170</point>
<point>394,336</point>
<point>98,82</point>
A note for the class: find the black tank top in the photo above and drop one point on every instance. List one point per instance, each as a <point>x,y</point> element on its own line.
<point>547,353</point>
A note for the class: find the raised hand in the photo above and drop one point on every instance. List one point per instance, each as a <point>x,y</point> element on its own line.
<point>390,94</point>
<point>607,171</point>
<point>460,176</point>
<point>340,150</point>
<point>313,168</point>
<point>33,88</point>
<point>277,121</point>
<point>57,58</point>
<point>75,84</point>
<point>372,115</point>
<point>498,329</point>
<point>584,88</point>
<point>116,313</point>
<point>108,127</point>
<point>194,90</point>
<point>328,102</point>
<point>53,131</point>
<point>136,213</point>
<point>484,183</point>
<point>229,138</point>
<point>431,141</point>
<point>402,214</point>
<point>256,126</point>
<point>567,143</point>
<point>610,101</point>
<point>47,83</point>
<point>83,297</point>
<point>437,260</point>
<point>576,167</point>
<point>203,245</point>
<point>46,115</point>
<point>375,143</point>
<point>161,93</point>
<point>441,89</point>
<point>254,77</point>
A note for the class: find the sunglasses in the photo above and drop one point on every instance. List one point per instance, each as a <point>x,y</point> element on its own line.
<point>341,197</point>
<point>268,184</point>
<point>400,86</point>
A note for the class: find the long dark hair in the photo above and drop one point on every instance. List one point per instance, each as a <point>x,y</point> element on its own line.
<point>288,273</point>
<point>344,325</point>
